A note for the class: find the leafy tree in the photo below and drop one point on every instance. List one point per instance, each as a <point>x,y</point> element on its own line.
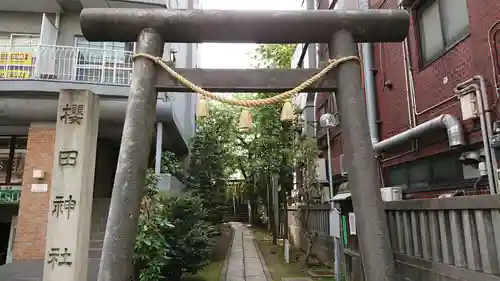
<point>306,153</point>
<point>271,149</point>
<point>211,155</point>
<point>171,165</point>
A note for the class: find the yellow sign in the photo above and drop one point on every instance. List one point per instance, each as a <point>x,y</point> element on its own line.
<point>16,58</point>
<point>14,74</point>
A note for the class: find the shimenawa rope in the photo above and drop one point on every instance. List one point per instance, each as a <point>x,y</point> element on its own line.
<point>247,103</point>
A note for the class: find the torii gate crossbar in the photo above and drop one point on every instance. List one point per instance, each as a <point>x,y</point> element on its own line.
<point>151,28</point>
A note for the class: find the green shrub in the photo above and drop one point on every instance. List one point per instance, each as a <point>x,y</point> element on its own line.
<point>174,238</point>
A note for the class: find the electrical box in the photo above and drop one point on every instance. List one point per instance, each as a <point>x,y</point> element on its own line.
<point>392,193</point>
<point>469,106</point>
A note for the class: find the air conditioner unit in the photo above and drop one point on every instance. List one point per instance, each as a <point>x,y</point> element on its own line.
<point>343,165</point>
<point>392,193</point>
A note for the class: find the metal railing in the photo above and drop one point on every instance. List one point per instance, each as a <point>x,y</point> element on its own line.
<point>65,63</point>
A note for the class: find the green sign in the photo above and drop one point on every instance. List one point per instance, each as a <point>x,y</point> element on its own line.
<point>9,196</point>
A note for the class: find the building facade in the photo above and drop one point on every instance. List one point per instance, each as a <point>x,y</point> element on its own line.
<point>430,137</point>
<point>42,50</point>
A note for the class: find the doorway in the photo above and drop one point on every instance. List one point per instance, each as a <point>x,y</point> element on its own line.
<point>5,229</point>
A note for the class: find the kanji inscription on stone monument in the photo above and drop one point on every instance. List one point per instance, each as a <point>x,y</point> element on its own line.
<point>59,257</point>
<point>72,113</point>
<point>73,168</point>
<point>68,157</point>
<point>63,205</point>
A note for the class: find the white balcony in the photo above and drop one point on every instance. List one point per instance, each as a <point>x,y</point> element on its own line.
<point>55,6</point>
<point>65,64</point>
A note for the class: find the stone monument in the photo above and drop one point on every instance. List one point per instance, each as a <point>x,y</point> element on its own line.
<point>68,228</point>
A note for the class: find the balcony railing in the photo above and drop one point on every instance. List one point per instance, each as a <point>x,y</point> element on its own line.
<point>65,63</point>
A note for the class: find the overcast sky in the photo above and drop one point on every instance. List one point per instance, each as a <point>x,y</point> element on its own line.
<point>237,55</point>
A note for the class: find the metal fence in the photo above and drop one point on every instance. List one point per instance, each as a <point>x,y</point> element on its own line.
<point>65,63</point>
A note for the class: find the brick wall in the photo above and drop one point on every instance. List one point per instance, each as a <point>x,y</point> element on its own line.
<point>468,58</point>
<point>29,241</point>
<point>434,82</point>
<point>33,207</point>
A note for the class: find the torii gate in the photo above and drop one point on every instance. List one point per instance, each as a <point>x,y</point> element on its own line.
<point>151,28</point>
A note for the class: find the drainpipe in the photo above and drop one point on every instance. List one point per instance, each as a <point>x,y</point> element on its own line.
<point>446,121</point>
<point>489,128</point>
<point>370,93</point>
<point>493,54</point>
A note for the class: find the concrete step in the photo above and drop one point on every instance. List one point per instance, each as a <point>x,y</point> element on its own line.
<point>98,235</point>
<point>96,244</point>
<point>95,253</point>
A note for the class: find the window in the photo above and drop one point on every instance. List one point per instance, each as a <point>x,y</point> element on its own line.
<point>441,24</point>
<point>428,172</point>
<point>12,156</point>
<point>18,53</point>
<point>104,62</point>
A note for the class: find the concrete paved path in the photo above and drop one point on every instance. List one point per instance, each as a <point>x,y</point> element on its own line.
<point>244,263</point>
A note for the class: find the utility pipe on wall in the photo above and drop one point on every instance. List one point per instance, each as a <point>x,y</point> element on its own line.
<point>493,54</point>
<point>370,93</point>
<point>449,122</point>
<point>445,121</point>
<point>462,90</point>
<point>486,124</point>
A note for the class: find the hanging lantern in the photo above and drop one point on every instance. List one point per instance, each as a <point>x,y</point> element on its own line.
<point>246,120</point>
<point>287,113</point>
<point>202,108</point>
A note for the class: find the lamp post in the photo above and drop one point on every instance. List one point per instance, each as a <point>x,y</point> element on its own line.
<point>328,121</point>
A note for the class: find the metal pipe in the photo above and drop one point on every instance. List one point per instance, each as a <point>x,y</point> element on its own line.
<point>449,122</point>
<point>370,88</point>
<point>118,249</point>
<point>204,26</point>
<point>330,166</point>
<point>495,80</point>
<point>414,148</point>
<point>370,93</point>
<point>409,96</point>
<point>489,127</point>
<point>376,253</point>
<point>159,145</point>
<point>337,262</point>
<point>460,90</point>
